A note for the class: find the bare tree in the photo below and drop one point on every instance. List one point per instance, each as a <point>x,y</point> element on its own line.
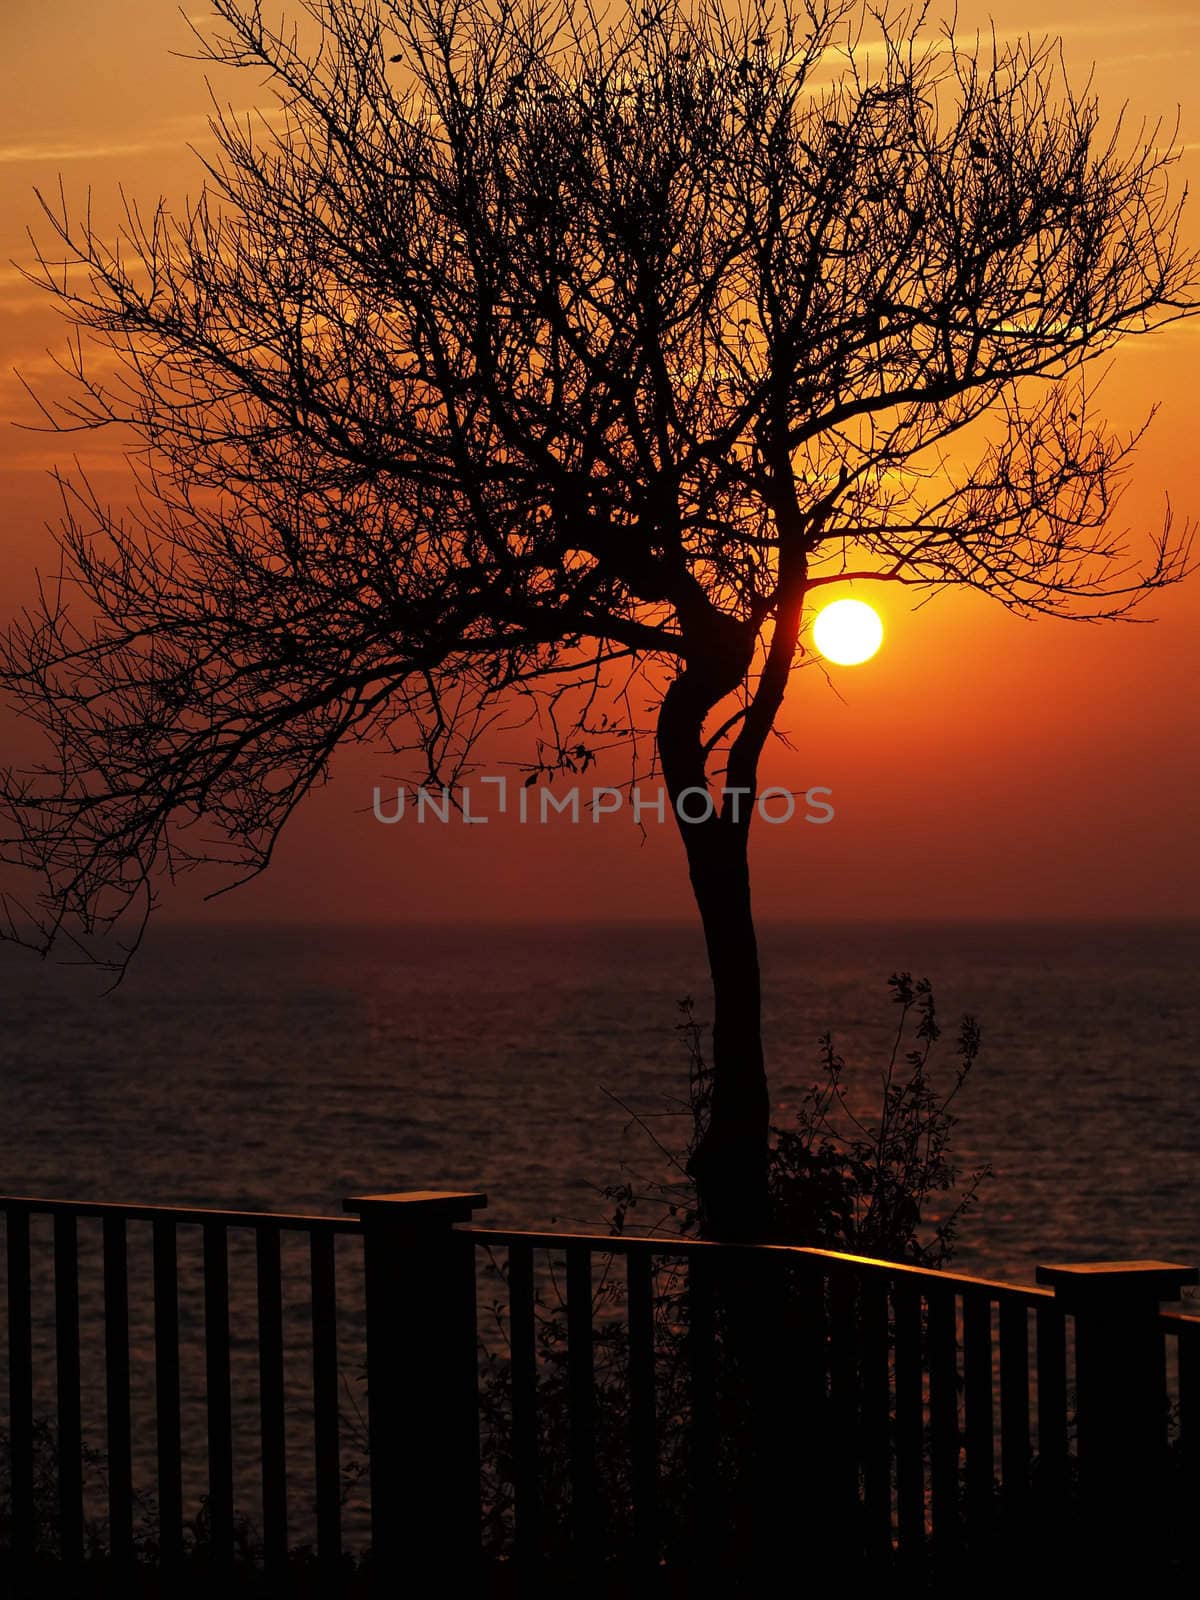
<point>523,348</point>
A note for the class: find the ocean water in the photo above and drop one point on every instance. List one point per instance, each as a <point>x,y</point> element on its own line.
<point>286,1068</point>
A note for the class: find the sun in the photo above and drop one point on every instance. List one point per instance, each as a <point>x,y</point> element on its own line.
<point>848,632</point>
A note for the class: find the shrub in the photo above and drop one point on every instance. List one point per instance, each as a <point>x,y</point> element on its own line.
<point>841,1178</point>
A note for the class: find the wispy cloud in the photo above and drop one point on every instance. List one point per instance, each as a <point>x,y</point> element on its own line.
<point>1099,39</point>
<point>1094,28</point>
<point>1151,55</point>
<point>1118,26</point>
<point>11,153</point>
<point>170,134</point>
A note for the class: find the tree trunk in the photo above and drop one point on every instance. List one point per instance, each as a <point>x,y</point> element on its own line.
<point>730,1163</point>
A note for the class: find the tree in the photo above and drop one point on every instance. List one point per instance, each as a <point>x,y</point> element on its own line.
<point>526,346</point>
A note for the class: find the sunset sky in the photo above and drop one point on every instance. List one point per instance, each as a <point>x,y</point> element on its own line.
<point>981,766</point>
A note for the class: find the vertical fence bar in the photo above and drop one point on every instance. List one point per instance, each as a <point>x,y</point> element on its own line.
<point>875,1412</point>
<point>166,1393</point>
<point>463,1314</point>
<point>643,1421</point>
<point>943,1416</point>
<point>272,1431</point>
<point>325,1396</point>
<point>1158,1398</point>
<point>702,1392</point>
<point>910,1430</point>
<point>581,1385</point>
<point>978,1409</point>
<point>66,1344</point>
<point>1014,1405</point>
<point>218,1392</point>
<point>523,1370</point>
<point>1189,1404</point>
<point>764,1423</point>
<point>116,1369</point>
<point>20,1388</point>
<point>842,1465</point>
<point>1052,1400</point>
<point>812,1400</point>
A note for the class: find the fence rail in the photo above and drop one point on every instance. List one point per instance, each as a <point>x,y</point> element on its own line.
<point>642,1402</point>
<point>163,1347</point>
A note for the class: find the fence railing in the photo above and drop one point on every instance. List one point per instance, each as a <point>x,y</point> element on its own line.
<point>537,1399</point>
<point>180,1351</point>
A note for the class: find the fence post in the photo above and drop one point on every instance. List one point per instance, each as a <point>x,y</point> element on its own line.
<point>422,1385</point>
<point>1121,1399</point>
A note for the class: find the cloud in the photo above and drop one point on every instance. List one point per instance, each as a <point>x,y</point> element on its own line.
<point>1092,28</point>
<point>170,134</point>
<point>1117,27</point>
<point>11,153</point>
<point>1150,55</point>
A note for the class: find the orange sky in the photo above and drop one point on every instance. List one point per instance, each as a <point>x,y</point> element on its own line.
<point>980,766</point>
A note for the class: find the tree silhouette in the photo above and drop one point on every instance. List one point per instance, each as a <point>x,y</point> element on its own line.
<point>526,347</point>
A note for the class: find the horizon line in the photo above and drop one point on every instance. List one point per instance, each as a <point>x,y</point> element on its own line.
<point>682,921</point>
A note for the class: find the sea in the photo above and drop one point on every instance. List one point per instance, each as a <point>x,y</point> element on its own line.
<point>286,1068</point>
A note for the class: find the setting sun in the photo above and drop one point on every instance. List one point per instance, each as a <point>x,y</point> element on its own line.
<point>848,632</point>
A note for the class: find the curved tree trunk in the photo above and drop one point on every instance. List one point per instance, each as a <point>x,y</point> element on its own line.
<point>730,1164</point>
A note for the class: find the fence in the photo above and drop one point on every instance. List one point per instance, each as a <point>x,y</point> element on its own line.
<point>643,1404</point>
